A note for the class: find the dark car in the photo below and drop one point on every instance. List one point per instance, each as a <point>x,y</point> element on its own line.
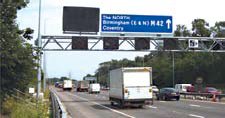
<point>56,84</point>
<point>168,94</point>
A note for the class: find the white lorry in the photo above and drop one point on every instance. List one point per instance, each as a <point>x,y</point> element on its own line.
<point>67,85</point>
<point>94,88</point>
<point>131,85</point>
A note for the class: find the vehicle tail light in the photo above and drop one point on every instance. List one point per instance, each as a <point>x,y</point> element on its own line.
<point>150,90</point>
<point>125,91</point>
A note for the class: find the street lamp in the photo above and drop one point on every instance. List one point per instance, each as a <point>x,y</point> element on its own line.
<point>173,68</point>
<point>39,52</point>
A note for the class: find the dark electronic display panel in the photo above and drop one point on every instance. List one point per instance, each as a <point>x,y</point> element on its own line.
<point>80,19</point>
<point>110,43</point>
<point>170,44</point>
<point>142,43</point>
<point>79,43</point>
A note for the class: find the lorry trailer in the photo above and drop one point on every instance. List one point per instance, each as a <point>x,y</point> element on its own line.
<point>131,85</point>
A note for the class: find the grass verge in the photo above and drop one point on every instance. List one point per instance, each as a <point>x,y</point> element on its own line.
<point>19,107</point>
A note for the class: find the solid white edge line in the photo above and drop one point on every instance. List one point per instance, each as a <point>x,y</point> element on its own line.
<point>113,110</point>
<point>197,116</point>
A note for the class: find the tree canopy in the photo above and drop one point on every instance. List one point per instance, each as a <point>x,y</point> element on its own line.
<point>17,59</point>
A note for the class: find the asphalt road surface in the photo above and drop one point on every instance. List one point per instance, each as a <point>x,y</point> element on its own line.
<point>85,105</point>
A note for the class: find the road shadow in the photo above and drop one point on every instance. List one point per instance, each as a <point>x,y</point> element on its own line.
<point>116,107</point>
<point>99,100</point>
<point>172,100</point>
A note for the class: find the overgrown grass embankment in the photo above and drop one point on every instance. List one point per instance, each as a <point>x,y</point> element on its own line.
<point>21,107</point>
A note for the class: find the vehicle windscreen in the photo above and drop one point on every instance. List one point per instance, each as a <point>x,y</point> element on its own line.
<point>171,90</point>
<point>211,89</point>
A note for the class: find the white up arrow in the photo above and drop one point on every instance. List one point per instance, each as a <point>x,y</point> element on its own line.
<point>168,22</point>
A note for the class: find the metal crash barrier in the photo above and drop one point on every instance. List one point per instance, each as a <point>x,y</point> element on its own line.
<point>202,96</point>
<point>58,110</point>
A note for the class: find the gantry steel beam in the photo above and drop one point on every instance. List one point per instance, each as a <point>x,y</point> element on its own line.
<point>63,43</point>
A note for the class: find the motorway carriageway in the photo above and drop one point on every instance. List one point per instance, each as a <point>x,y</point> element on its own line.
<point>84,105</point>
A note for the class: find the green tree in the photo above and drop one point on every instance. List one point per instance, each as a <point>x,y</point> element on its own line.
<point>182,31</point>
<point>64,78</point>
<point>200,28</point>
<point>219,29</point>
<point>17,59</point>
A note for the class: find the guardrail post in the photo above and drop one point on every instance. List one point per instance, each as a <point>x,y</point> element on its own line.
<point>214,98</point>
<point>219,98</point>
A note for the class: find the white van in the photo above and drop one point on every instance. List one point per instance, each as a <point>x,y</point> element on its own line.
<point>94,88</point>
<point>182,87</point>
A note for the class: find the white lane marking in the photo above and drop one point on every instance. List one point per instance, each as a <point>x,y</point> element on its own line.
<point>197,116</point>
<point>194,105</point>
<point>113,110</point>
<point>153,107</point>
<point>129,116</point>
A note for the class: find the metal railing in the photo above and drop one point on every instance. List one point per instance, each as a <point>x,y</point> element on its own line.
<point>204,96</point>
<point>57,108</point>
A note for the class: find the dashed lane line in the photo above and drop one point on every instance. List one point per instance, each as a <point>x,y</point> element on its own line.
<point>196,116</point>
<point>153,107</point>
<point>194,105</point>
<point>113,110</point>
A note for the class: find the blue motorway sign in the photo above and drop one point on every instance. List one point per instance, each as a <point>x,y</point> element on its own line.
<point>136,23</point>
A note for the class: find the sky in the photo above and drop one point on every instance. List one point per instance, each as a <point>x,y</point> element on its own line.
<point>78,64</point>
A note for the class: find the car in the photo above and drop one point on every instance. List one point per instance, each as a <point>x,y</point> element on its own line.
<point>155,89</point>
<point>104,88</point>
<point>168,94</point>
<point>60,85</point>
<point>94,88</point>
<point>56,84</point>
<point>212,90</point>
